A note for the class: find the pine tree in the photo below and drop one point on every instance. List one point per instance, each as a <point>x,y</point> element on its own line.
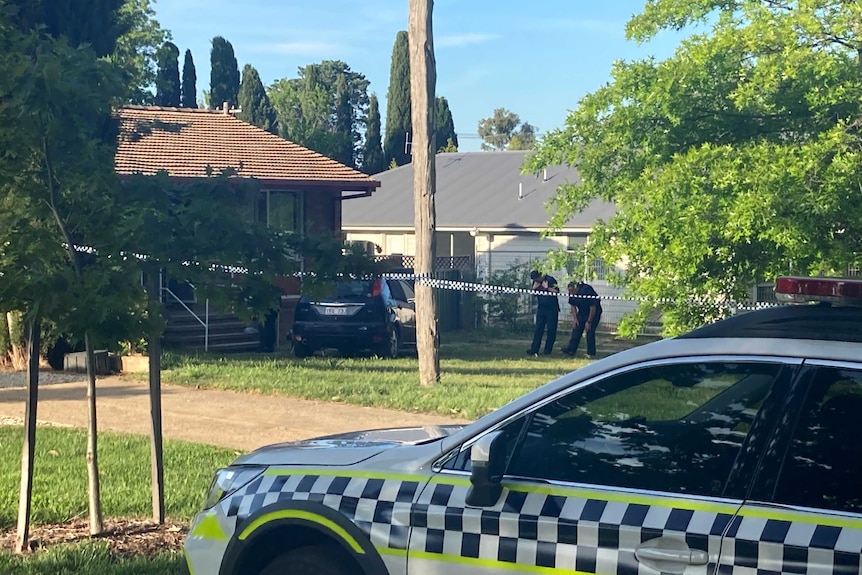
<point>447,138</point>
<point>168,76</point>
<point>224,74</point>
<point>373,161</point>
<point>255,104</point>
<point>189,97</point>
<point>343,122</point>
<point>398,123</point>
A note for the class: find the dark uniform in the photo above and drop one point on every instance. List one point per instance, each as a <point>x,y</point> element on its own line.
<point>547,313</point>
<point>587,311</point>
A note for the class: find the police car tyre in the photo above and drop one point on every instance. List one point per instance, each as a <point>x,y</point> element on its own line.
<point>301,350</point>
<point>316,560</point>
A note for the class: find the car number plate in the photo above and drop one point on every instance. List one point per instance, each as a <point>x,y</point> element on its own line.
<point>335,311</point>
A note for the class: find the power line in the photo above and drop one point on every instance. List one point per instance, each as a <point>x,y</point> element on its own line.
<point>478,137</point>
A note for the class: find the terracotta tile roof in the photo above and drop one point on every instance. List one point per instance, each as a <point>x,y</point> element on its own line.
<point>185,141</point>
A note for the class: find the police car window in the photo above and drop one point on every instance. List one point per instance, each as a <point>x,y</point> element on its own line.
<point>673,428</point>
<point>823,466</point>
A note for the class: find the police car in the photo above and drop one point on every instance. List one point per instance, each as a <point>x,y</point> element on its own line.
<point>734,449</point>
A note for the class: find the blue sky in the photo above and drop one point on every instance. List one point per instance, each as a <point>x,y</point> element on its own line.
<point>536,58</point>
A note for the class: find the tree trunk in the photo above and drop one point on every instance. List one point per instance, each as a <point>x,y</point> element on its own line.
<point>423,79</point>
<point>92,434</point>
<point>154,349</point>
<point>28,451</point>
<point>92,429</point>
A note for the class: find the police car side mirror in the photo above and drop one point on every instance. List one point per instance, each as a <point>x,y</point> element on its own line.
<point>487,461</point>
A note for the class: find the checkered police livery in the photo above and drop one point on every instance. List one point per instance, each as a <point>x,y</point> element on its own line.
<point>571,530</point>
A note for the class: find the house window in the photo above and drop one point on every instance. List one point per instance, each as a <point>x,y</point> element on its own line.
<point>280,210</point>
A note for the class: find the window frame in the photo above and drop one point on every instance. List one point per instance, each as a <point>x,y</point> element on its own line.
<point>300,207</point>
<point>784,378</point>
<point>770,467</point>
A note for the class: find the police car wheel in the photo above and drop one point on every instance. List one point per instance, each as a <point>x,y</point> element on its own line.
<point>316,560</point>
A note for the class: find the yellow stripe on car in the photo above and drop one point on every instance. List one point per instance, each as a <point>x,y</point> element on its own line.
<point>209,528</point>
<point>304,516</point>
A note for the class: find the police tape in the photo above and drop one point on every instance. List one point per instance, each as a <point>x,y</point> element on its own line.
<point>476,287</point>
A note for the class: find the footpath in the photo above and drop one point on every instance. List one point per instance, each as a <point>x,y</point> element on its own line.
<point>240,421</point>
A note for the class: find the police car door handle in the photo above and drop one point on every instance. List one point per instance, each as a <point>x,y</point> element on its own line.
<point>687,556</point>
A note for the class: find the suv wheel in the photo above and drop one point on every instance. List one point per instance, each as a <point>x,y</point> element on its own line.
<point>315,560</point>
<point>301,350</point>
<point>390,348</point>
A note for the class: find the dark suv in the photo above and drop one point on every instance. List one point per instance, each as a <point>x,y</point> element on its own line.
<point>376,315</point>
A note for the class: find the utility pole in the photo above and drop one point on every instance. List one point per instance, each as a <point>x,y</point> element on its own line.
<point>423,79</point>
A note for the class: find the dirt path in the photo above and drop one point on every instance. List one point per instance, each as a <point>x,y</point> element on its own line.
<point>226,418</point>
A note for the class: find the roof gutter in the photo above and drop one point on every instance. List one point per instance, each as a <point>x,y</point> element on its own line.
<point>467,229</point>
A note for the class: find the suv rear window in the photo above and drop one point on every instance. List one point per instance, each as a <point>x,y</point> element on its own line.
<point>350,290</point>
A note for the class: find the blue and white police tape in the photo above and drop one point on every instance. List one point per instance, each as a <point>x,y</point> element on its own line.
<point>476,287</point>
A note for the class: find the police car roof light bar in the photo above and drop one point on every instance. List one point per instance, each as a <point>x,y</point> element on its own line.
<point>806,289</point>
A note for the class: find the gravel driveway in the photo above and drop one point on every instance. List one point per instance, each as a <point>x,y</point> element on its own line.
<point>9,378</point>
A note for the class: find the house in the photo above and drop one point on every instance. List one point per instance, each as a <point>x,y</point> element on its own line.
<point>490,217</point>
<point>301,190</point>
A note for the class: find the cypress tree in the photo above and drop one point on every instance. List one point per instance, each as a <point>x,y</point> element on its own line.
<point>168,76</point>
<point>343,122</point>
<point>445,126</point>
<point>255,104</point>
<point>373,161</point>
<point>189,97</point>
<point>398,123</point>
<point>224,74</point>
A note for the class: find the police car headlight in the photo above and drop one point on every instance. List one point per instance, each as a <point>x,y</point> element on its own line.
<point>228,480</point>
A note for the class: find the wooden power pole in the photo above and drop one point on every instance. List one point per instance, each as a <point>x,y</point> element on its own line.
<point>423,79</point>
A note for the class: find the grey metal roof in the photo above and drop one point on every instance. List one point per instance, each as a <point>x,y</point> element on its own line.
<point>474,189</point>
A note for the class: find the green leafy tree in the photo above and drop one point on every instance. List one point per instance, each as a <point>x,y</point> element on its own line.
<point>135,53</point>
<point>524,138</point>
<point>447,138</point>
<point>254,103</point>
<point>498,131</point>
<point>373,161</point>
<point>59,143</point>
<point>95,23</point>
<point>734,161</point>
<point>224,74</point>
<point>307,108</point>
<point>398,108</point>
<point>343,122</point>
<point>450,147</point>
<point>189,98</point>
<point>168,76</point>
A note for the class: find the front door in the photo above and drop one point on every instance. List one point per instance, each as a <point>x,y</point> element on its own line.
<point>638,473</point>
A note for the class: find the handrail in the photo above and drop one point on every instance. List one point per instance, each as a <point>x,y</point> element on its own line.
<point>204,322</point>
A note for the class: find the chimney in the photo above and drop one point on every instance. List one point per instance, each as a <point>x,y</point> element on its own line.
<point>520,190</point>
<point>225,108</point>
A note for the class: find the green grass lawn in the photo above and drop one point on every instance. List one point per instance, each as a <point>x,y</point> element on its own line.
<point>480,371</point>
<point>60,494</point>
<point>91,558</point>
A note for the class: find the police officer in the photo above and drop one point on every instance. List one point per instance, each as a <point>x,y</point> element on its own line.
<point>586,311</point>
<point>547,313</point>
